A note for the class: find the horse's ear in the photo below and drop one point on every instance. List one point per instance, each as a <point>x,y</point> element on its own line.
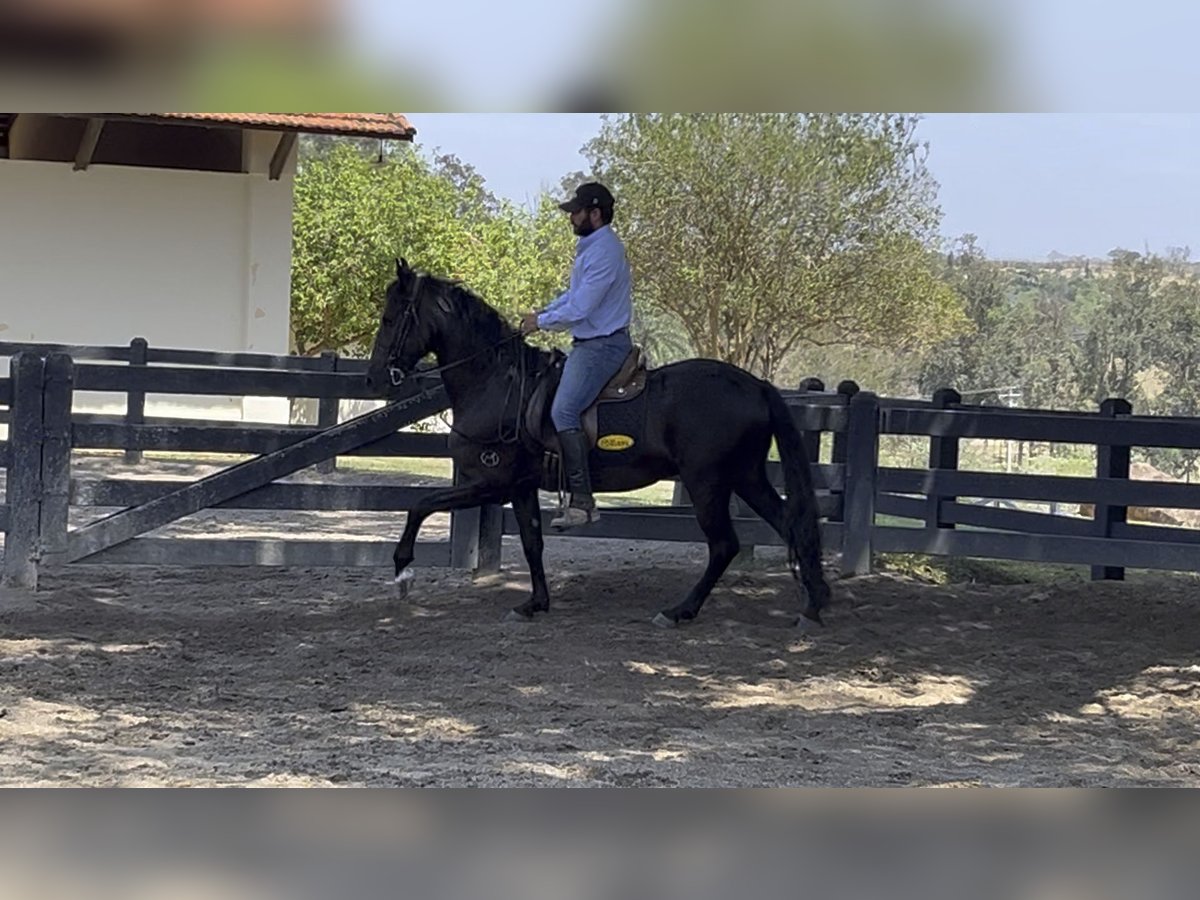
<point>401,266</point>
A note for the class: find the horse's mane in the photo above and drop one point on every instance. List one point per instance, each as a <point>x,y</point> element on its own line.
<point>473,313</point>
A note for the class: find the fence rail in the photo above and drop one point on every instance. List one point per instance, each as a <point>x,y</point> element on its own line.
<point>861,501</point>
<point>139,352</point>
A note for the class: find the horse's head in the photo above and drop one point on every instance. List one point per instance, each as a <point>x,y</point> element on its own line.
<point>407,328</point>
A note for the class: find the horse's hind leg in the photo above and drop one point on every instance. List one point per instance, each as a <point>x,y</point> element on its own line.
<point>711,501</point>
<point>761,496</point>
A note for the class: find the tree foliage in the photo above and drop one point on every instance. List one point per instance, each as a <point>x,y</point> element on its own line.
<point>758,233</point>
<point>773,242</point>
<point>1071,336</point>
<point>357,208</point>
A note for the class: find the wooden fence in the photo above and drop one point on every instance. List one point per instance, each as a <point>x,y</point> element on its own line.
<point>937,505</point>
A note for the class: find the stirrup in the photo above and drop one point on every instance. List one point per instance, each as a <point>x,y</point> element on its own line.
<point>573,517</point>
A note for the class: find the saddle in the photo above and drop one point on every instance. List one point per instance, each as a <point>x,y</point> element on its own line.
<point>628,383</point>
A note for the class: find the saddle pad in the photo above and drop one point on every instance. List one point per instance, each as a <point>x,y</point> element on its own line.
<point>620,432</point>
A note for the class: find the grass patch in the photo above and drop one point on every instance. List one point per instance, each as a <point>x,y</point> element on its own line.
<point>963,570</point>
<point>658,494</point>
<point>183,456</point>
<point>946,570</point>
<point>396,465</point>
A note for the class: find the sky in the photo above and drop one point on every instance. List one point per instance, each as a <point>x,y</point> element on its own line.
<point>1025,184</point>
<point>1059,55</point>
<point>519,154</point>
<point>1074,183</point>
<point>1099,152</point>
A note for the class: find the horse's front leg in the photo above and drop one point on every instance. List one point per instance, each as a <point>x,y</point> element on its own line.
<point>446,500</point>
<point>529,517</point>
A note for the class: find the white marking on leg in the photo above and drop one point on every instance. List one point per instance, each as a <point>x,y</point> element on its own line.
<point>405,576</point>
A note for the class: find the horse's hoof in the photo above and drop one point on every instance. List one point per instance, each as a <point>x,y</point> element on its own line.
<point>663,622</point>
<point>403,582</point>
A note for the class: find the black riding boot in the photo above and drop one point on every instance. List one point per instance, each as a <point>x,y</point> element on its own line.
<point>582,508</point>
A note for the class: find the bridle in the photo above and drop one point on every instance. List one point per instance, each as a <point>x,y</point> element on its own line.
<point>396,374</point>
<point>517,374</point>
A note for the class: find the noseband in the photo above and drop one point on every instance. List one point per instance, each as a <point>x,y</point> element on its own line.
<point>396,374</point>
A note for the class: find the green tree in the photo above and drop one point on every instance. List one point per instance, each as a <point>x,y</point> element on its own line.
<point>978,359</point>
<point>757,233</point>
<point>1172,385</point>
<point>356,210</point>
<point>476,200</point>
<point>1117,325</point>
<point>1043,340</point>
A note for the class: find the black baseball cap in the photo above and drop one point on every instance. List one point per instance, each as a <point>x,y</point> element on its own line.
<point>592,195</point>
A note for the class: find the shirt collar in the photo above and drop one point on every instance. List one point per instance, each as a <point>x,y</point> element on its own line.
<point>593,237</point>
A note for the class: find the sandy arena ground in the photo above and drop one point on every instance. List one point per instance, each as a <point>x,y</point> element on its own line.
<point>225,676</point>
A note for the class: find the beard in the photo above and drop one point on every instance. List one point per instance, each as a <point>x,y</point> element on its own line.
<point>583,229</point>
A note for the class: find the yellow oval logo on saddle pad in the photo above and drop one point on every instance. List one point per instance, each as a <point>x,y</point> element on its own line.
<point>615,442</point>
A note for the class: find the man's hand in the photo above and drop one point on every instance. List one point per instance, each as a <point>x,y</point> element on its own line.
<point>529,323</point>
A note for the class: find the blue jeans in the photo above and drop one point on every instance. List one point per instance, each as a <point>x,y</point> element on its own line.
<point>588,368</point>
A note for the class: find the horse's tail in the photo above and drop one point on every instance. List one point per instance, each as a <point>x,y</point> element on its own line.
<point>801,527</point>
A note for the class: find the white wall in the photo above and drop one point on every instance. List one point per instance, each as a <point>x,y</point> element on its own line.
<point>197,260</point>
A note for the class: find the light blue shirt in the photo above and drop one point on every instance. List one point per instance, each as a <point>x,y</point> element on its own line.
<point>600,299</point>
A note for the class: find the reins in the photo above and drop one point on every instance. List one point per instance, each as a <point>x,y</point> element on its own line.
<point>516,374</point>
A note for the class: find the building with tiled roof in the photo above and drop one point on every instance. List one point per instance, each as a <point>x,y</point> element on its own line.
<point>175,227</point>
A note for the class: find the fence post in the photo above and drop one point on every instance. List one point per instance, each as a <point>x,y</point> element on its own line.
<point>135,402</point>
<point>475,535</point>
<point>848,390</point>
<point>1111,462</point>
<point>943,454</point>
<point>491,530</point>
<point>24,476</point>
<point>812,439</point>
<point>327,410</point>
<point>862,475</point>
<point>56,458</point>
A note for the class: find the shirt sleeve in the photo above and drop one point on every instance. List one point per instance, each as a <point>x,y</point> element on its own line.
<point>578,303</point>
<point>555,304</point>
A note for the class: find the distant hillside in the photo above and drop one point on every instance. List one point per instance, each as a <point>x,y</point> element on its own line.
<point>1062,264</point>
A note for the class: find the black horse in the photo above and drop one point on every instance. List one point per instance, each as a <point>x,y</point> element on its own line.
<point>709,423</point>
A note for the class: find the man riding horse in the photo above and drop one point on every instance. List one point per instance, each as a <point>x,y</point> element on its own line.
<point>704,422</point>
<point>596,309</point>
